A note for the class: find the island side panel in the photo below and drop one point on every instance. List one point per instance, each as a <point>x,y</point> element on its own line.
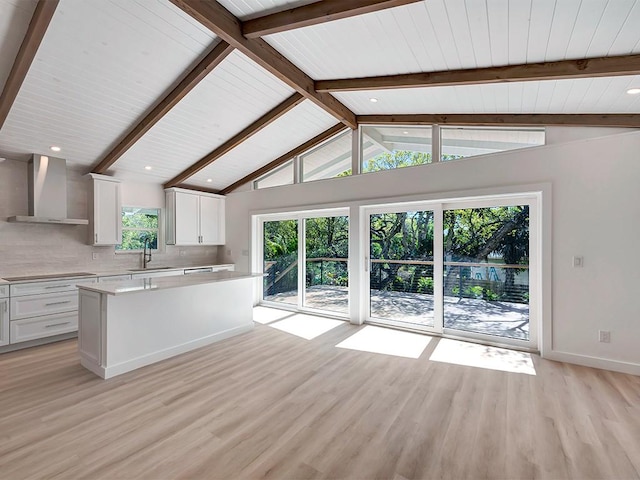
<point>90,330</point>
<point>152,325</point>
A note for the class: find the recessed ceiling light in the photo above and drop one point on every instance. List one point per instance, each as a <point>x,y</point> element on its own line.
<point>209,180</point>
<point>633,91</point>
<point>54,148</point>
<point>148,167</point>
<point>405,133</point>
<point>373,100</point>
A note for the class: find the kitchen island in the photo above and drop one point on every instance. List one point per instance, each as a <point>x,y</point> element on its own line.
<point>129,324</point>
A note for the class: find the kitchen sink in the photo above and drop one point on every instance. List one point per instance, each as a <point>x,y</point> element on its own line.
<point>149,269</point>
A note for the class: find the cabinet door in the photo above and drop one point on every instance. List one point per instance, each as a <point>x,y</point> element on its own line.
<point>187,219</point>
<point>210,220</point>
<point>107,227</point>
<point>4,322</point>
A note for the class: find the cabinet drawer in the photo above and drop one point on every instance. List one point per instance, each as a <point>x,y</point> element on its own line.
<point>39,327</point>
<point>53,286</point>
<point>36,305</point>
<point>4,291</point>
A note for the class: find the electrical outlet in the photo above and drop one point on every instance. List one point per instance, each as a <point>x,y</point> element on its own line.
<point>229,252</point>
<point>94,255</point>
<point>183,253</point>
<point>578,262</point>
<point>604,336</point>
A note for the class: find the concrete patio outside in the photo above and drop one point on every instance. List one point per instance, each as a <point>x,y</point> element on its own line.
<point>502,319</point>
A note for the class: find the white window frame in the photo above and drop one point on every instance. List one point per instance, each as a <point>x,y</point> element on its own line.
<point>161,246</point>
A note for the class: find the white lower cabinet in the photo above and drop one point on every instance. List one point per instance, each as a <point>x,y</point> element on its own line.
<point>41,309</point>
<point>4,321</point>
<point>45,304</point>
<point>44,326</point>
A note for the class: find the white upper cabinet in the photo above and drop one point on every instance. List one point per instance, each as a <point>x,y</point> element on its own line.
<point>105,216</point>
<point>194,218</point>
<point>187,219</point>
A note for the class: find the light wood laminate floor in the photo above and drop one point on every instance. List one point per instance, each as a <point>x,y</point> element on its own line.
<point>268,404</point>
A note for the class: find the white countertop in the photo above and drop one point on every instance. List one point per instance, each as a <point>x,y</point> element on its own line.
<point>162,283</point>
<point>103,273</point>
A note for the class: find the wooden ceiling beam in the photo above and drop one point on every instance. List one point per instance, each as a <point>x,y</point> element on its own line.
<point>507,119</point>
<point>564,69</point>
<point>314,14</point>
<point>220,21</point>
<point>318,139</point>
<point>35,33</point>
<point>188,83</point>
<point>237,139</point>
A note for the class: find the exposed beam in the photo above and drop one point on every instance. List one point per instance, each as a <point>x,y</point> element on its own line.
<point>583,68</point>
<point>315,13</point>
<point>35,33</point>
<point>287,156</point>
<point>237,139</point>
<point>507,119</point>
<point>220,21</point>
<point>191,79</point>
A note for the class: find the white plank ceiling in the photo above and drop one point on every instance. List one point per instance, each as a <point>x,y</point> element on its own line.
<point>14,20</point>
<point>246,9</point>
<point>452,34</point>
<point>302,123</point>
<point>586,95</point>
<point>101,66</point>
<point>234,95</point>
<point>104,64</point>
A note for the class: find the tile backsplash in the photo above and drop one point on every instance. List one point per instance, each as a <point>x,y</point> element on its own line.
<point>35,248</point>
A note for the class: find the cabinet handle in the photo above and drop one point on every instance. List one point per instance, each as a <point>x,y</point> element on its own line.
<point>57,324</point>
<point>57,286</point>
<point>56,303</point>
<point>96,238</point>
<point>5,307</point>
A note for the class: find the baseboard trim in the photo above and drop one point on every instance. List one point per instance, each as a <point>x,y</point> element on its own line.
<point>594,362</point>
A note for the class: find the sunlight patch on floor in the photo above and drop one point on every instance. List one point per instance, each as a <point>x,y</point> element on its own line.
<point>482,356</point>
<point>266,315</point>
<point>306,326</point>
<point>387,342</point>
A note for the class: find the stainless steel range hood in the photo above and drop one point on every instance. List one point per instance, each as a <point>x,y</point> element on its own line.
<point>48,192</point>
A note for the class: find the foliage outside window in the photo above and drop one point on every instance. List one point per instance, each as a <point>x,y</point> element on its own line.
<point>282,175</point>
<point>461,142</point>
<point>332,159</point>
<point>139,224</point>
<point>388,147</point>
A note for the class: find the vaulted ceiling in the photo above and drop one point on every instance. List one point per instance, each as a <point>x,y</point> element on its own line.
<point>206,93</point>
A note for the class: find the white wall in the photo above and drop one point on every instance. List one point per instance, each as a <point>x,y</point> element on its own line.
<point>595,213</point>
<point>34,249</point>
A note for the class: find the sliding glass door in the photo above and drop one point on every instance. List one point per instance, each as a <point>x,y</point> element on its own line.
<point>306,259</point>
<point>326,264</point>
<point>486,271</point>
<point>401,268</point>
<point>458,268</point>
<point>280,261</point>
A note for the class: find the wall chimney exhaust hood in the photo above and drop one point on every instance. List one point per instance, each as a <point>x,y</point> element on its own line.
<point>48,192</point>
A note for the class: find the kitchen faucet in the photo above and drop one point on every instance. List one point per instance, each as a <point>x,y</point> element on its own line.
<point>146,257</point>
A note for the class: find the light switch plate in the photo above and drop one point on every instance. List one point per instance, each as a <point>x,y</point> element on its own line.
<point>578,262</point>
